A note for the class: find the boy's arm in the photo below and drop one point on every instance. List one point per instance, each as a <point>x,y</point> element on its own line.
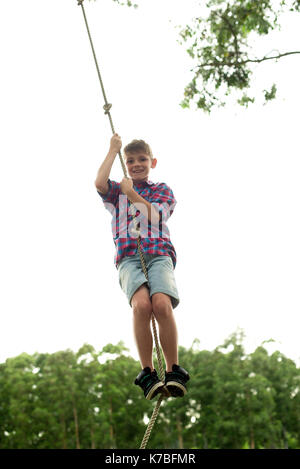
<point>145,207</point>
<point>104,170</point>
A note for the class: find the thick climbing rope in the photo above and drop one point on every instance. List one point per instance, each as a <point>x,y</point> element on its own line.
<point>107,107</point>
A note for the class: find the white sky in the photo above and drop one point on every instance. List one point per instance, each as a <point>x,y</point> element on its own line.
<point>235,175</point>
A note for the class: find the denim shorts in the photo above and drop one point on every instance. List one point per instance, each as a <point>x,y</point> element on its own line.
<point>160,273</point>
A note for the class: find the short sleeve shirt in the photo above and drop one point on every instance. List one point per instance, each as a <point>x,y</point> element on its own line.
<point>154,238</point>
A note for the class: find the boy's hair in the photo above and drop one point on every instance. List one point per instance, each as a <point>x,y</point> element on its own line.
<point>138,145</point>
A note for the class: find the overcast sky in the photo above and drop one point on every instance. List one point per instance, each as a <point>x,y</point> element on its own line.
<point>235,175</point>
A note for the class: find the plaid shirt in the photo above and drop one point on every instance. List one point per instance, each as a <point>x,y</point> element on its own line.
<point>154,239</point>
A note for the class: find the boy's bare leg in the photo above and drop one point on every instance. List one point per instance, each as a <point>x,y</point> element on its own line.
<point>163,312</point>
<point>142,312</point>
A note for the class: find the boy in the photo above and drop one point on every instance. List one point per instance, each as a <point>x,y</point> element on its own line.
<point>155,203</point>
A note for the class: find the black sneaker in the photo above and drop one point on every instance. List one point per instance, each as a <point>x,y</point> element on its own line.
<point>175,381</point>
<point>149,382</point>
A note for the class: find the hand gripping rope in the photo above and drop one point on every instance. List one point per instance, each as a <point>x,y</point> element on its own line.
<point>107,107</point>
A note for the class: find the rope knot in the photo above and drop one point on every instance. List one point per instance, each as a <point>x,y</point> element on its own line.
<point>79,2</point>
<point>107,108</point>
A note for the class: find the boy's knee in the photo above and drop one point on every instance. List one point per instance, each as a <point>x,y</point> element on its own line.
<point>162,305</point>
<point>142,307</point>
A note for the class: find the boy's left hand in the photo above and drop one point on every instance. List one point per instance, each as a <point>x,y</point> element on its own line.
<point>126,185</point>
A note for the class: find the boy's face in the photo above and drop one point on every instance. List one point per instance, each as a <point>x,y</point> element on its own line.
<point>139,165</point>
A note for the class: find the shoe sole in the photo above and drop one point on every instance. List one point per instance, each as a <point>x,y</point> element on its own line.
<point>176,389</point>
<point>158,387</point>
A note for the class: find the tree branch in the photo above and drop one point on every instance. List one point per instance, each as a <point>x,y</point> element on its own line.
<point>243,62</point>
<point>225,19</point>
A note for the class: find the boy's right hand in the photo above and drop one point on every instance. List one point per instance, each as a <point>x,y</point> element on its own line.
<point>115,143</point>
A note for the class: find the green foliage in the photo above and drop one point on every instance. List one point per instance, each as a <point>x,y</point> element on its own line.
<point>245,100</point>
<point>220,46</point>
<point>128,3</point>
<point>88,400</point>
<point>269,95</point>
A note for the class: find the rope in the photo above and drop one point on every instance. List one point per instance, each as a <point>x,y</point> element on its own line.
<point>107,107</point>
<point>151,423</point>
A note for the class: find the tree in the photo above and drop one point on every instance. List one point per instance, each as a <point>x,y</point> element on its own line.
<point>88,400</point>
<point>220,45</point>
<point>122,406</point>
<point>19,400</point>
<point>259,410</point>
<point>283,377</point>
<point>57,392</point>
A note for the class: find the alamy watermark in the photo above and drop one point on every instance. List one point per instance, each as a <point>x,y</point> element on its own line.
<point>124,225</point>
